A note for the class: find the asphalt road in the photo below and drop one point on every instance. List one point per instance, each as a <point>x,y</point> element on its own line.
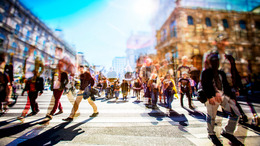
<point>119,123</point>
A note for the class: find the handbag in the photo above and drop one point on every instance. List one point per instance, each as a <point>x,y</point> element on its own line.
<point>201,96</point>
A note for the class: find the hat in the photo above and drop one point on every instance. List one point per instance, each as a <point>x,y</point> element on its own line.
<point>221,37</point>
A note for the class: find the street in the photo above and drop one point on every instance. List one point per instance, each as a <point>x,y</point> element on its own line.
<point>118,123</point>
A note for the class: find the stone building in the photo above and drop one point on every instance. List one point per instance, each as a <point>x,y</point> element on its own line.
<point>192,31</point>
<point>23,34</point>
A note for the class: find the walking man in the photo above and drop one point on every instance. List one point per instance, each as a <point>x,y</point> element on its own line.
<point>86,82</point>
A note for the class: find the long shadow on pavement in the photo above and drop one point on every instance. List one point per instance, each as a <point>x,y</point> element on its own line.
<point>56,134</point>
<point>6,132</point>
<point>196,114</point>
<point>2,123</point>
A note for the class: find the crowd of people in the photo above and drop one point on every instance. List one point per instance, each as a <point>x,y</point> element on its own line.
<point>153,82</point>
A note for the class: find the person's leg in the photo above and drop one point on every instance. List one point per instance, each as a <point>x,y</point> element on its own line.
<point>32,101</point>
<point>92,103</point>
<point>211,116</point>
<point>181,99</point>
<point>229,104</point>
<point>189,99</point>
<point>76,104</point>
<point>57,95</point>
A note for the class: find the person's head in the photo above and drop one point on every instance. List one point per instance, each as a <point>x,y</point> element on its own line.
<point>168,76</point>
<point>184,74</point>
<point>81,68</point>
<point>184,60</point>
<point>221,42</point>
<point>214,60</point>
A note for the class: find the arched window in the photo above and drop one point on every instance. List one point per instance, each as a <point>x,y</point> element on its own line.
<point>242,24</point>
<point>28,35</point>
<point>225,23</point>
<point>173,29</point>
<point>208,22</point>
<point>190,20</point>
<point>17,29</point>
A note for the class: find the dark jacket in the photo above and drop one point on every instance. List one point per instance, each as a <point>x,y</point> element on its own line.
<point>63,81</point>
<point>4,90</point>
<point>86,80</point>
<point>208,87</point>
<point>124,86</point>
<point>39,86</point>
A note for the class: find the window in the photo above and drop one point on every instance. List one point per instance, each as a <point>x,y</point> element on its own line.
<point>173,29</point>
<point>25,52</point>
<point>208,22</point>
<point>257,25</point>
<point>28,35</point>
<point>1,17</point>
<point>36,39</point>
<point>14,45</point>
<point>190,20</point>
<point>17,29</point>
<point>163,36</point>
<point>242,24</point>
<point>225,23</point>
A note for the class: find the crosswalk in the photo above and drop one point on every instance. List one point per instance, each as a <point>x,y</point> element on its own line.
<point>189,124</point>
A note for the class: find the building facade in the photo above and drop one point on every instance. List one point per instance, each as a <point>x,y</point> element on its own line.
<point>23,34</point>
<point>119,64</point>
<point>192,32</point>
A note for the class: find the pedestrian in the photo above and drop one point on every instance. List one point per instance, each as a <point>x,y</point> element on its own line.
<point>218,92</point>
<point>228,65</point>
<point>4,85</point>
<point>59,81</point>
<point>86,82</point>
<point>124,89</point>
<point>116,90</point>
<point>184,66</point>
<point>169,90</point>
<point>35,87</point>
<point>185,89</point>
<point>137,88</point>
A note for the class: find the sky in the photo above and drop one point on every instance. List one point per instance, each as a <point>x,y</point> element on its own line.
<point>99,28</point>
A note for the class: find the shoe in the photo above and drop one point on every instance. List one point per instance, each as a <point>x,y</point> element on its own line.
<point>94,114</point>
<point>49,116</point>
<point>32,113</point>
<point>232,139</point>
<point>20,118</point>
<point>215,140</point>
<point>68,119</point>
<point>60,112</point>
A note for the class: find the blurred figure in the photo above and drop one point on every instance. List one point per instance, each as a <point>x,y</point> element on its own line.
<point>116,90</point>
<point>137,88</point>
<point>4,85</point>
<point>218,92</point>
<point>86,83</point>
<point>59,81</point>
<point>184,67</point>
<point>169,90</point>
<point>35,87</point>
<point>124,89</point>
<point>185,89</point>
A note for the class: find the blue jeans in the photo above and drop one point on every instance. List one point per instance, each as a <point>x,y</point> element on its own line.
<point>117,94</point>
<point>169,101</point>
<point>154,96</point>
